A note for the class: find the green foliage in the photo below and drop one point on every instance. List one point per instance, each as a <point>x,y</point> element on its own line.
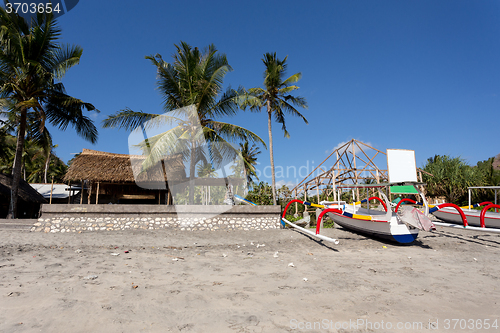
<point>261,194</point>
<point>292,218</point>
<point>34,161</point>
<point>249,158</point>
<point>451,178</point>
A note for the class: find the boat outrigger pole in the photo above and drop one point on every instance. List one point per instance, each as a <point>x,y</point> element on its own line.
<point>317,235</point>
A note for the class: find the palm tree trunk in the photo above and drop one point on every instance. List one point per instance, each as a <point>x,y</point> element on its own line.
<point>16,169</point>
<point>271,150</point>
<point>245,182</point>
<point>47,162</point>
<point>191,174</point>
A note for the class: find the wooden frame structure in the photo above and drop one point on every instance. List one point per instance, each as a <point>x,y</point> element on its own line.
<point>353,163</point>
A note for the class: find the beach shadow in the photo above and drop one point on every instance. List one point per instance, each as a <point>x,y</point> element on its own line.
<point>473,239</point>
<point>317,241</point>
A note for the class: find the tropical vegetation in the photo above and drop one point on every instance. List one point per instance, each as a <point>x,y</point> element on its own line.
<point>451,176</point>
<point>39,163</point>
<point>32,64</point>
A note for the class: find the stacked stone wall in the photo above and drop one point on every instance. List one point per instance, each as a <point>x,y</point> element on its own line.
<point>79,218</point>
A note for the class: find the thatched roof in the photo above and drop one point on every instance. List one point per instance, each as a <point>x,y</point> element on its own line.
<point>101,166</point>
<point>26,192</point>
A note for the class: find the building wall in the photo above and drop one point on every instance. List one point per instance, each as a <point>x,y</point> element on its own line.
<point>78,218</point>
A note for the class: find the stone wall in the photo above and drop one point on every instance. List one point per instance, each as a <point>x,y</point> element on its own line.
<point>78,218</point>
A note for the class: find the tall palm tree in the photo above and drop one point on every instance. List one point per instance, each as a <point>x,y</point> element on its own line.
<point>275,96</point>
<point>32,64</point>
<point>193,80</point>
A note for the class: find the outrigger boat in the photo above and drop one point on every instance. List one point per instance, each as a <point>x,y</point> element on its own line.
<point>401,227</point>
<point>389,225</point>
<point>467,216</point>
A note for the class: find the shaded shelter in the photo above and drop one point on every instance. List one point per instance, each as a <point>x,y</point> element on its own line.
<point>29,200</point>
<point>112,178</point>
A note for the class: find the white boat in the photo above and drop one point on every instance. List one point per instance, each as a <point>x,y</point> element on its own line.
<point>377,226</point>
<point>451,215</point>
<point>402,227</point>
<point>473,217</point>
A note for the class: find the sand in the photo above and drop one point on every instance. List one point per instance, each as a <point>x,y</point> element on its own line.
<point>172,281</point>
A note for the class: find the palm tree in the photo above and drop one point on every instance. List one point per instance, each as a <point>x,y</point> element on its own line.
<point>275,96</point>
<point>249,156</point>
<point>32,64</point>
<point>192,81</point>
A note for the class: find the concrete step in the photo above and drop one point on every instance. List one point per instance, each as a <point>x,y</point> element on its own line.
<point>17,224</point>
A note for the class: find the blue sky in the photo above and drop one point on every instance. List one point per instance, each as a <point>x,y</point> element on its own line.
<point>421,75</point>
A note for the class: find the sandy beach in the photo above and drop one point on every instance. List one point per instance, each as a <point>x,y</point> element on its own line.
<point>260,281</point>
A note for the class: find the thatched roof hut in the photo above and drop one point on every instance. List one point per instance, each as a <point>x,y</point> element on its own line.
<point>118,178</point>
<point>98,166</point>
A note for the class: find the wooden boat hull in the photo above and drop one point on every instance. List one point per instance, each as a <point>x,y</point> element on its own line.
<point>391,231</point>
<point>450,215</point>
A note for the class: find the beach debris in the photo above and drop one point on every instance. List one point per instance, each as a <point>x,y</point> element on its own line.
<point>409,257</point>
<point>260,245</point>
<point>126,251</point>
<point>291,264</point>
<point>305,279</point>
<point>310,254</point>
<point>275,254</point>
<point>134,286</point>
<point>78,251</point>
<point>250,254</point>
<point>177,258</point>
<point>224,255</point>
<point>384,247</point>
<point>115,254</point>
<point>251,243</point>
<point>90,277</point>
<point>475,259</point>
